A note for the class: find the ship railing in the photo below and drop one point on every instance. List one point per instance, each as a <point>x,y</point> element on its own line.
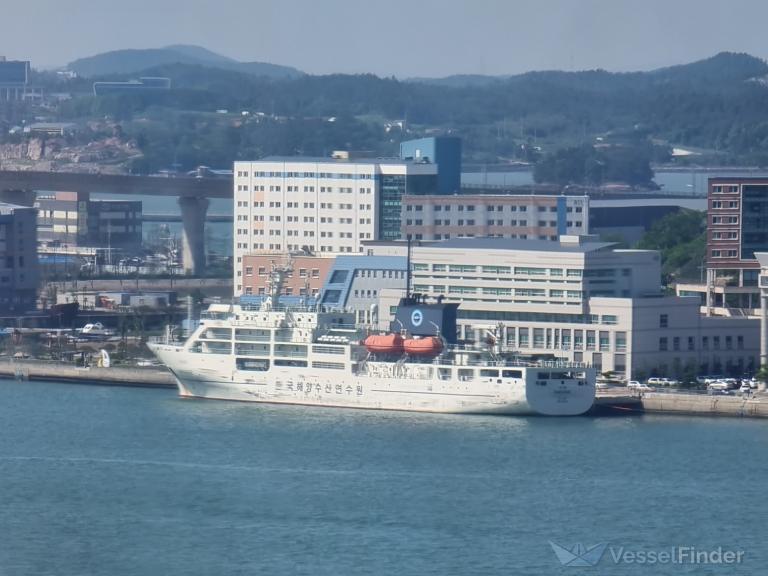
<point>341,326</point>
<point>511,363</point>
<point>298,339</point>
<point>252,338</point>
<point>286,354</point>
<point>207,315</point>
<point>279,308</point>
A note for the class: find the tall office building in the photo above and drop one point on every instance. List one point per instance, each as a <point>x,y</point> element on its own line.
<point>324,206</point>
<point>19,270</point>
<point>737,227</point>
<point>72,219</point>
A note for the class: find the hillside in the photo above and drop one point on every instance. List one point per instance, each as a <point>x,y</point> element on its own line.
<point>133,61</point>
<point>713,105</point>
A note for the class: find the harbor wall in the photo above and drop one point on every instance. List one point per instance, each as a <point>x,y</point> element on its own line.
<point>705,404</point>
<point>117,376</point>
<point>620,400</point>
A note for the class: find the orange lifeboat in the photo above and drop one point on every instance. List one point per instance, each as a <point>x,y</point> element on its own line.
<point>429,346</point>
<point>384,343</point>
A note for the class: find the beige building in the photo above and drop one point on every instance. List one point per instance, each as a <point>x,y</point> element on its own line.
<point>576,299</point>
<point>523,216</point>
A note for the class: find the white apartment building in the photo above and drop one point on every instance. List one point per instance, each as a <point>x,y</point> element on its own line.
<point>576,299</point>
<point>321,205</point>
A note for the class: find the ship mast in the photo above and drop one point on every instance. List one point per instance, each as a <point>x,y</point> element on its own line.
<point>408,271</point>
<point>275,282</point>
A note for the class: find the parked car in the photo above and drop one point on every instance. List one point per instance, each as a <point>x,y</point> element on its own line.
<point>745,388</point>
<point>719,385</point>
<point>635,385</point>
<point>663,381</point>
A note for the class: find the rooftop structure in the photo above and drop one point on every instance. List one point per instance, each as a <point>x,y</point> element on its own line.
<point>445,151</point>
<point>354,282</point>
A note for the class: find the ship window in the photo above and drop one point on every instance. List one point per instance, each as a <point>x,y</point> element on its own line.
<point>543,376</point>
<point>444,373</point>
<point>466,374</point>
<point>485,373</point>
<point>301,363</point>
<point>512,373</point>
<point>251,364</point>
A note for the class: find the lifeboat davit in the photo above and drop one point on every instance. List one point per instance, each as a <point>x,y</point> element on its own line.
<point>384,343</point>
<point>429,346</point>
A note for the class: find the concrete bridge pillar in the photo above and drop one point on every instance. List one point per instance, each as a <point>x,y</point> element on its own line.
<point>18,197</point>
<point>193,210</point>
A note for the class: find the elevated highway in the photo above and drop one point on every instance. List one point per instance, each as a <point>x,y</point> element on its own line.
<point>19,187</point>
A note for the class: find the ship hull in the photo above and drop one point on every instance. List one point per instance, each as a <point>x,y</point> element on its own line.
<point>212,377</point>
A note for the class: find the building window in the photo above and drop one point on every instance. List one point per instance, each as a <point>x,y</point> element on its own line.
<point>621,341</point>
<point>663,344</point>
<point>664,321</point>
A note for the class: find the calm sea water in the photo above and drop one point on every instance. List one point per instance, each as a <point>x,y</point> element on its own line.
<point>119,481</point>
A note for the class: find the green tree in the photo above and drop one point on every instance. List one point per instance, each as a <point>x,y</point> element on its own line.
<point>681,238</point>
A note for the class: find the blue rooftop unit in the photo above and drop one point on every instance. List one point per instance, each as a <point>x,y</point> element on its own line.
<point>364,272</point>
<point>445,151</point>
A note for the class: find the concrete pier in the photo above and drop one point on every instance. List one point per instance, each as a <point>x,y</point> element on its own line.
<point>193,211</point>
<point>55,371</point>
<point>618,400</point>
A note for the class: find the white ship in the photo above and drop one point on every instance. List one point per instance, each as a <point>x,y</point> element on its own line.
<point>302,355</point>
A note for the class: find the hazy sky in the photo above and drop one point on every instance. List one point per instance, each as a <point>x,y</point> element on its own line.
<point>400,37</point>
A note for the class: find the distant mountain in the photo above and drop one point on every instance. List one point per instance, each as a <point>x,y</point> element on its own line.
<point>202,54</point>
<point>720,68</point>
<point>133,61</point>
